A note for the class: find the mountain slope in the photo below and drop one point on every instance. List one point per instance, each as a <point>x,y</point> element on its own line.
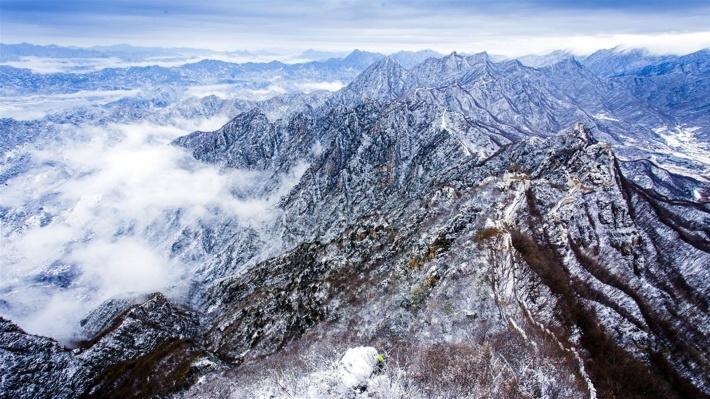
<point>150,339</point>
<point>549,225</point>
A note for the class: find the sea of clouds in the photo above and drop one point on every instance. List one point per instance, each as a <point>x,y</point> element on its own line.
<point>98,211</point>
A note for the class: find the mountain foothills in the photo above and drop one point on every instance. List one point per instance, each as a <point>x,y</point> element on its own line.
<point>532,228</point>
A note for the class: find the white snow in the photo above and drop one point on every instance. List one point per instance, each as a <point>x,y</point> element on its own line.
<point>697,194</point>
<point>604,117</point>
<point>357,365</point>
<point>683,143</point>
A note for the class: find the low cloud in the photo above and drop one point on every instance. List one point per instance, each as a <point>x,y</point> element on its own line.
<point>38,106</point>
<point>101,212</point>
<point>308,87</point>
<point>225,91</point>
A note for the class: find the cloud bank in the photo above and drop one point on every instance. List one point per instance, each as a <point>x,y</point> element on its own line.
<point>98,213</point>
<point>509,27</point>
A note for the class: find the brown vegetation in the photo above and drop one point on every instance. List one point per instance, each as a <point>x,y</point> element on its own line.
<point>486,234</point>
<point>615,372</point>
<point>160,373</point>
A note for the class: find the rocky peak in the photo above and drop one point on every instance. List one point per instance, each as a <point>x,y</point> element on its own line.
<point>384,80</point>
<point>408,59</point>
<point>437,72</point>
<point>361,59</point>
<point>584,134</point>
<point>248,141</point>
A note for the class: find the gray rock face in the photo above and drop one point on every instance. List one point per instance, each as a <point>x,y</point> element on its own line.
<point>33,366</point>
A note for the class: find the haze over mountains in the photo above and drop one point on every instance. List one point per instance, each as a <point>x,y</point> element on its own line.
<point>532,227</point>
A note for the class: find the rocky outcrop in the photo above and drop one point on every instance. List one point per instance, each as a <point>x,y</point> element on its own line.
<point>153,339</point>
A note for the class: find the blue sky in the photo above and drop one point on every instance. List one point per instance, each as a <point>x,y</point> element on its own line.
<point>511,27</point>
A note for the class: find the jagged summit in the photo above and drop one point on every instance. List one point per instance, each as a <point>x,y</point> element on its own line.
<point>446,70</point>
<point>583,133</point>
<point>383,80</point>
<point>408,59</point>
<point>361,58</point>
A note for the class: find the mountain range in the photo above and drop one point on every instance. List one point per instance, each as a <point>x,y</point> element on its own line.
<point>493,228</point>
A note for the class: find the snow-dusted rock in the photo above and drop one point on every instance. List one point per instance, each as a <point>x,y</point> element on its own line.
<point>357,365</point>
<point>145,335</point>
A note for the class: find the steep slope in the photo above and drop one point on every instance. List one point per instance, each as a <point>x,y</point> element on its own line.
<point>677,88</point>
<point>384,80</point>
<point>151,339</point>
<point>394,144</point>
<point>527,102</point>
<point>571,219</point>
<point>508,98</point>
<point>440,72</point>
<point>381,156</point>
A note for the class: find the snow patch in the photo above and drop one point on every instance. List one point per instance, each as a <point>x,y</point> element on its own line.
<point>683,142</point>
<point>604,117</point>
<point>357,365</point>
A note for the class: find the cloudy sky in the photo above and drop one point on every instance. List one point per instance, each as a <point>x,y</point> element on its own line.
<point>499,26</point>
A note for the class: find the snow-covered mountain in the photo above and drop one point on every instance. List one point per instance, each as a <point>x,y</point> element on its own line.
<point>492,229</point>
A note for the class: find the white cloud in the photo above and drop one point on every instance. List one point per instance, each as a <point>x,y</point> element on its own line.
<point>38,106</point>
<point>225,91</point>
<point>41,246</point>
<point>114,193</point>
<point>263,94</point>
<point>501,27</point>
<point>662,43</point>
<point>308,87</point>
<point>125,264</point>
<point>55,316</point>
